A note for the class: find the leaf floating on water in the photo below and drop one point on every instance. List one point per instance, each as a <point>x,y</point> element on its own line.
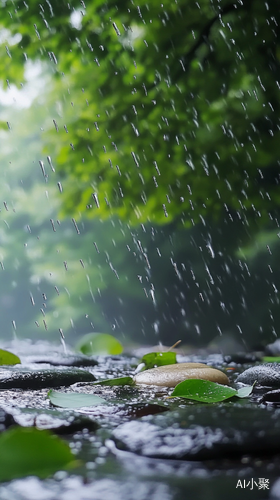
<point>120,381</point>
<point>74,399</point>
<point>29,451</point>
<point>99,344</point>
<point>8,358</point>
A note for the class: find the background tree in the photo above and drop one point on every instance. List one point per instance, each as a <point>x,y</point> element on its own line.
<point>164,114</point>
<point>171,105</point>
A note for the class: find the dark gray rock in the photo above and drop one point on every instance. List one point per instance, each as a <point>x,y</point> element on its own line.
<point>271,397</point>
<point>61,360</point>
<point>273,349</point>
<point>201,433</point>
<point>267,374</point>
<point>242,358</point>
<point>6,420</point>
<point>13,379</point>
<point>59,421</point>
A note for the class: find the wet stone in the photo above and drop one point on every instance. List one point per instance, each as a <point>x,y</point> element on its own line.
<point>6,420</point>
<point>142,409</point>
<point>62,360</point>
<point>271,397</point>
<point>59,421</point>
<point>13,379</point>
<point>199,434</point>
<point>267,374</point>
<point>171,375</point>
<point>273,349</point>
<point>242,358</point>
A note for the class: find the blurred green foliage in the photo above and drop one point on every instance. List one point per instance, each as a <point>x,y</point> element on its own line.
<point>163,110</point>
<point>21,454</point>
<point>160,114</point>
<point>94,344</point>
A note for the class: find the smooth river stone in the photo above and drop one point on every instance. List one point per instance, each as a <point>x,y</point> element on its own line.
<point>267,374</point>
<point>171,375</point>
<point>20,379</point>
<point>204,433</point>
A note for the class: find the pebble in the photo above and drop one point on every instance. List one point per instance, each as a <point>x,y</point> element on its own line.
<point>6,420</point>
<point>273,349</point>
<point>171,375</point>
<point>271,398</point>
<point>62,360</point>
<point>267,374</point>
<point>242,358</point>
<point>10,379</point>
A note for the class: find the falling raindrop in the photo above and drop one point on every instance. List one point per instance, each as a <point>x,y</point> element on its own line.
<point>56,126</point>
<point>135,159</point>
<point>62,339</point>
<point>75,225</point>
<point>116,29</point>
<point>52,223</point>
<point>50,163</point>
<point>165,211</point>
<point>43,169</point>
<point>95,197</point>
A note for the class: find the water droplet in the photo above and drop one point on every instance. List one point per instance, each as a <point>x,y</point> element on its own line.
<point>95,197</point>
<point>50,163</point>
<point>52,223</point>
<point>75,225</point>
<point>116,29</point>
<point>56,126</point>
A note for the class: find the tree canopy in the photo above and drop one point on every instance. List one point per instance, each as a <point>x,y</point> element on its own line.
<point>160,111</point>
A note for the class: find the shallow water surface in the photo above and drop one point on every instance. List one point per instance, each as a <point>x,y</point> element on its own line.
<point>141,445</point>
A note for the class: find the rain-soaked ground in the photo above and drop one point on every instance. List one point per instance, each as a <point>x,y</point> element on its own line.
<point>141,445</point>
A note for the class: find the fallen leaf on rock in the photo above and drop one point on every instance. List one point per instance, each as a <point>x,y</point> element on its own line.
<point>207,392</point>
<point>154,359</point>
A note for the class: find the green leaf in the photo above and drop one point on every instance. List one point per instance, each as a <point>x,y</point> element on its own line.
<point>203,390</point>
<point>99,343</point>
<point>116,381</point>
<point>29,451</point>
<point>271,359</point>
<point>244,392</point>
<point>8,358</point>
<point>153,359</point>
<point>74,399</point>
